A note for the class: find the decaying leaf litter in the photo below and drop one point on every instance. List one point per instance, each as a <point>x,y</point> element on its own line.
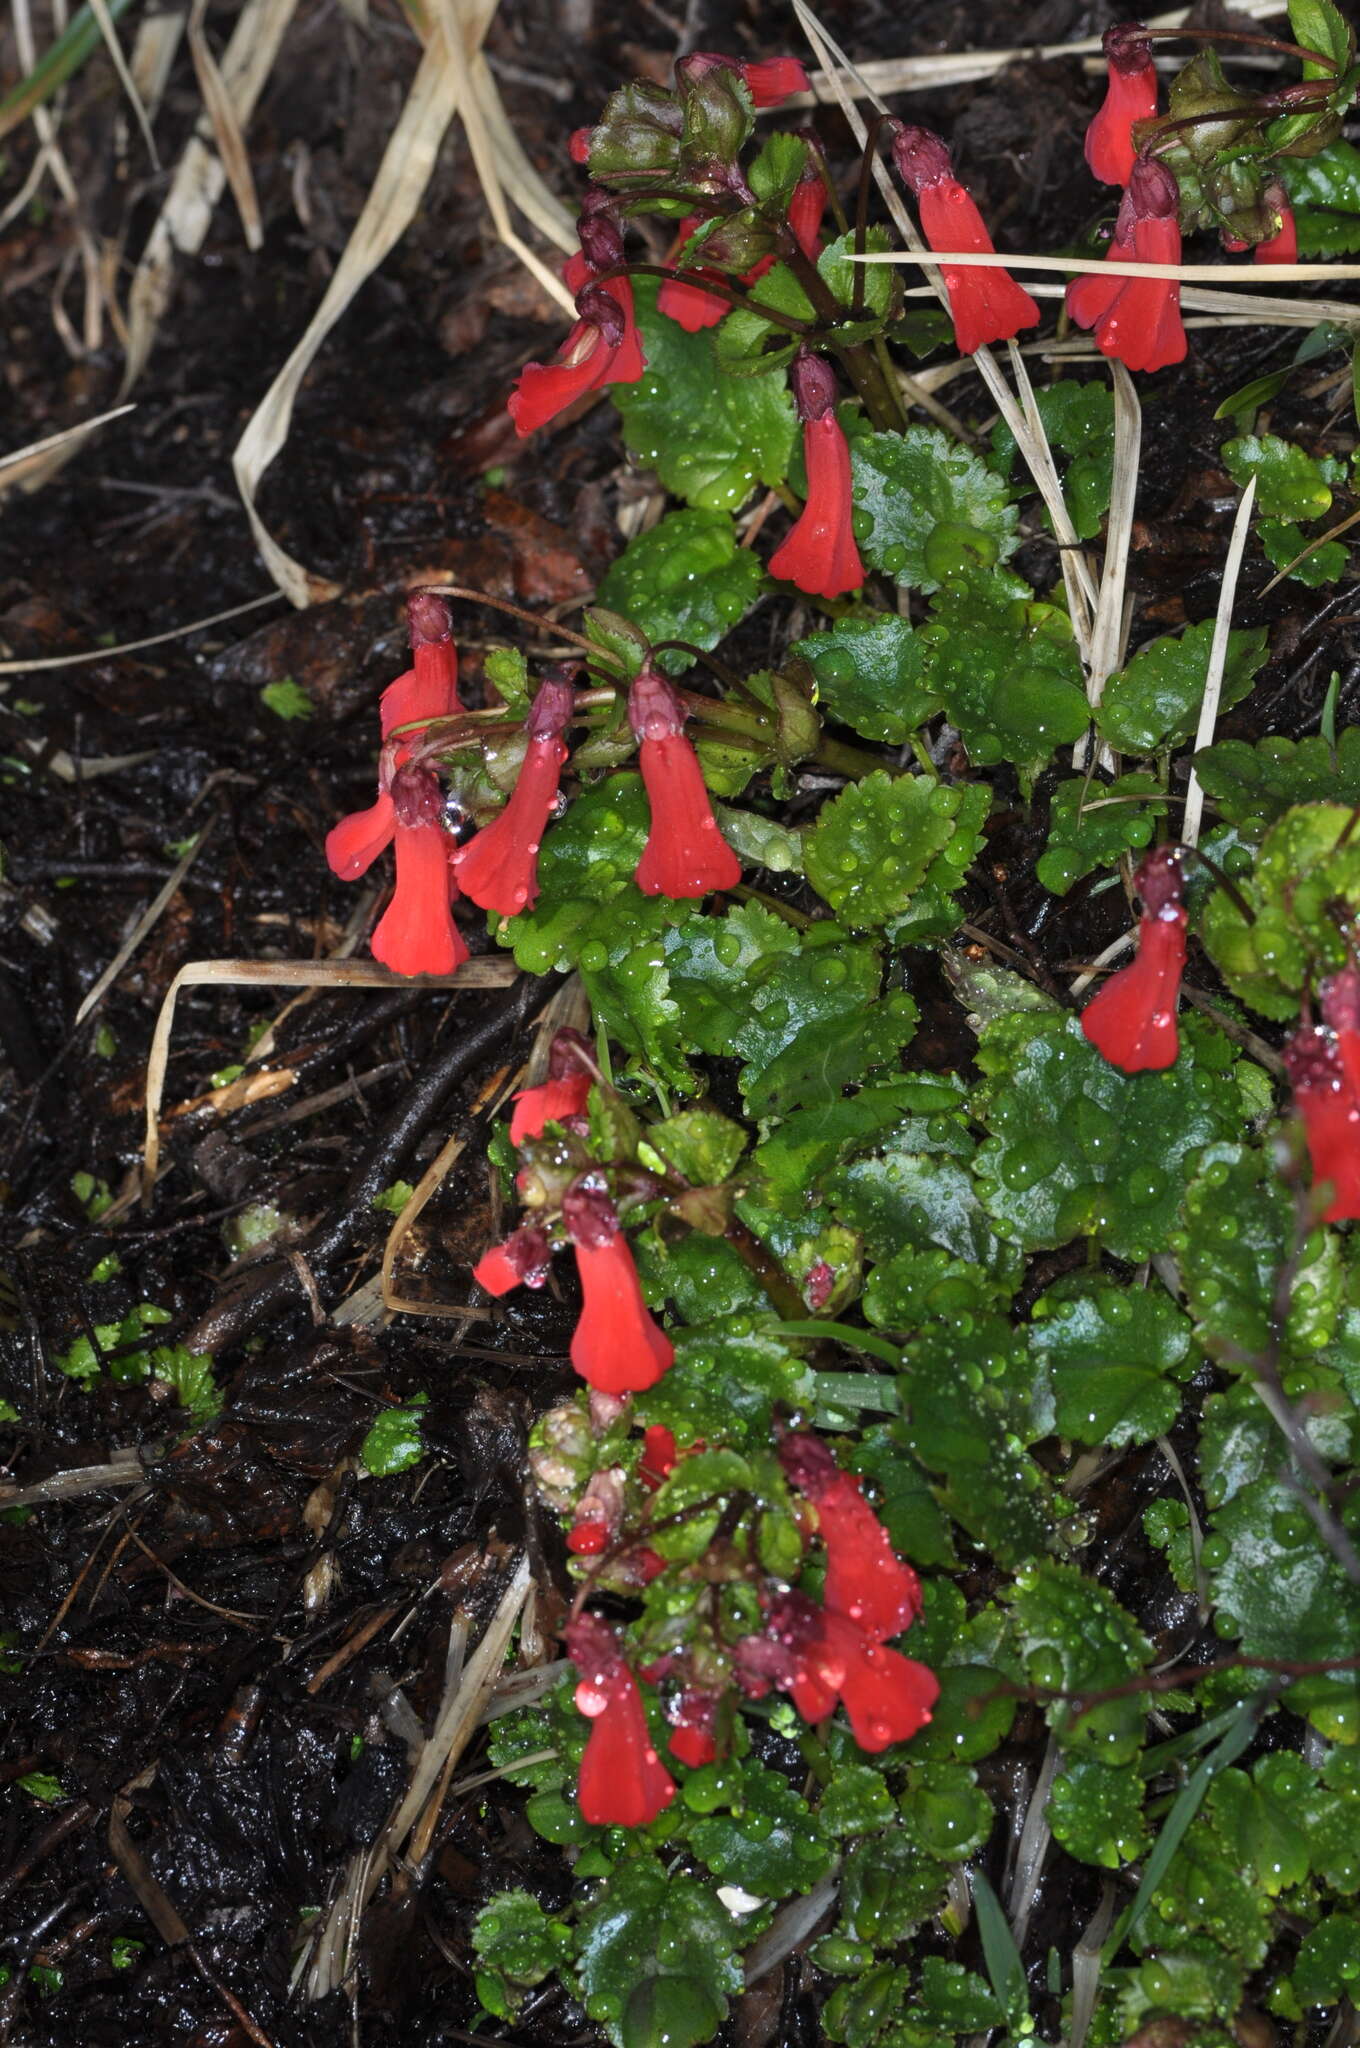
<point>254,1666</point>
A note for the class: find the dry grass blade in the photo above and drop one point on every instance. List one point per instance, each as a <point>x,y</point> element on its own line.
<point>494,972</point>
<point>199,179</point>
<point>153,55</point>
<point>1108,634</point>
<point>407,166</point>
<point>99,9</point>
<point>1218,656</point>
<point>1075,266</point>
<point>16,469</point>
<point>231,147</point>
<point>51,159</point>
<point>791,1927</point>
<point>963,67</point>
<point>145,924</point>
<point>23,668</point>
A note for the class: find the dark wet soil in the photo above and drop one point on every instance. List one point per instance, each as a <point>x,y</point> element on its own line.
<point>224,1652</point>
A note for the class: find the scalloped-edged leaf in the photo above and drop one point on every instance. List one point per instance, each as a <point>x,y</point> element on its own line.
<point>770,1843</point>
<point>657,1966</point>
<point>958,1426</point>
<point>832,1054</point>
<point>725,1383</point>
<point>870,675</point>
<point>1302,893</point>
<point>1157,697</point>
<point>711,439</point>
<point>1007,669</point>
<point>1284,542</point>
<point>1079,422</point>
<point>1254,786</point>
<point>1289,483</point>
<point>1324,191</point>
<point>1096,1812</point>
<point>1108,1351</point>
<point>872,846</point>
<point>685,579</point>
<point>1092,823</point>
<point>1079,1149</point>
<point>1238,1233</point>
<point>930,509</point>
<point>1075,1637</point>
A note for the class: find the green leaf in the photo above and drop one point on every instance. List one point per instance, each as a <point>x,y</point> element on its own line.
<point>869,669</point>
<point>1005,1969</point>
<point>1324,191</point>
<point>746,984</point>
<point>703,1276</point>
<point>1079,421</point>
<point>1157,697</point>
<point>517,1946</point>
<point>1278,1589</point>
<point>1238,1233</point>
<point>1257,1818</point>
<point>873,844</point>
<point>808,1144</point>
<point>1328,1961</point>
<point>889,1886</point>
<point>1108,1350</point>
<point>1253,786</point>
<point>1078,1148</point>
<point>770,1843</point>
<point>832,1054</point>
<point>857,2012</point>
<point>700,1144</point>
<point>1304,889</point>
<point>917,488</point>
<point>727,1379</point>
<point>393,1199</point>
<point>839,270</point>
<point>1284,543</point>
<point>42,1785</point>
<point>1076,1638</point>
<point>1096,1812</point>
<point>1092,823</point>
<point>190,1373</point>
<point>656,1965</point>
<point>395,1442</point>
<point>946,1810</point>
<point>1318,25</point>
<point>1289,484</point>
<point>1008,672</point>
<point>955,2001</point>
<point>903,1198</point>
<point>710,438</point>
<point>958,1426</point>
<point>287,699</point>
<point>686,579</point>
<point>856,1801</point>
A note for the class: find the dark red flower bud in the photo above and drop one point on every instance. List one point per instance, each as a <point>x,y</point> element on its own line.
<point>601,235</point>
<point>1131,95</point>
<point>813,384</point>
<point>417,796</point>
<point>920,158</point>
<point>428,619</point>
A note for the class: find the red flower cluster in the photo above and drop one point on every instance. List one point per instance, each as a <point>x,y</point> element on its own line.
<point>987,305</point>
<point>618,1347</point>
<point>623,1782</point>
<point>499,868</point>
<point>1130,95</point>
<point>685,855</point>
<point>820,554</point>
<point>1137,318</point>
<point>1323,1065</point>
<point>603,347</point>
<point>416,934</point>
<point>1133,1019</point>
<point>693,308</point>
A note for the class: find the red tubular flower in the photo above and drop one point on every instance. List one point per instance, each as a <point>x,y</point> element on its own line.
<point>986,305</point>
<point>520,1261</point>
<point>1132,1022</point>
<point>769,80</point>
<point>806,208</point>
<point>685,855</point>
<point>818,1656</point>
<point>820,555</point>
<point>1326,1099</point>
<point>1283,245</point>
<point>617,1346</point>
<point>623,1781</point>
<point>865,1579</point>
<point>602,348</point>
<point>499,868</point>
<point>1131,95</point>
<point>1137,318</point>
<point>689,305</point>
<point>693,1717</point>
<point>571,1071</point>
<point>416,933</point>
<point>599,1513</point>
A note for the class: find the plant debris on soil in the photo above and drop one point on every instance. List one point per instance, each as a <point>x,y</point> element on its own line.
<point>230,1613</point>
